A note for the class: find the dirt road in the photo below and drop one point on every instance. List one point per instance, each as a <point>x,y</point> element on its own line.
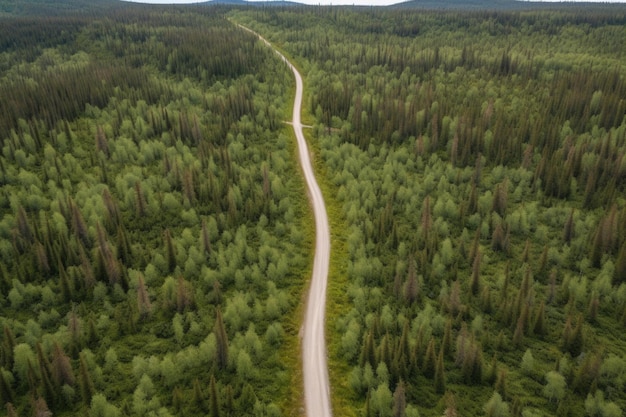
<point>315,368</point>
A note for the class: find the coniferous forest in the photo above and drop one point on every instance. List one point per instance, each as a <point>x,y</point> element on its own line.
<point>476,160</point>
<point>155,238</point>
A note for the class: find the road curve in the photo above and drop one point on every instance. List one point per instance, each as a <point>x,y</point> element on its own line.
<point>315,368</point>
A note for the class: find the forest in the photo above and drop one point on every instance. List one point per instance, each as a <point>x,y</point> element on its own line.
<point>154,230</point>
<point>476,163</point>
<point>156,239</point>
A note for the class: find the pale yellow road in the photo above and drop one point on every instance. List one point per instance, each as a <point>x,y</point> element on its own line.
<point>315,368</point>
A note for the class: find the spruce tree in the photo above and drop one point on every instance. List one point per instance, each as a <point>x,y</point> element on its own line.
<point>430,360</point>
<point>170,251</point>
<point>222,341</point>
<point>440,378</point>
<point>368,352</point>
<point>540,320</point>
<point>6,391</point>
<point>399,401</point>
<point>8,344</point>
<point>198,398</point>
<point>475,280</point>
<point>87,389</point>
<point>501,385</point>
<point>62,372</point>
<point>214,409</point>
<point>619,274</point>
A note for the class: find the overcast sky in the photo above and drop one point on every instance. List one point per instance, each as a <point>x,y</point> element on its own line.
<point>335,2</point>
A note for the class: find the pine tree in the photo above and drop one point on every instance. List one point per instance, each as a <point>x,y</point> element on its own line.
<point>47,388</point>
<point>87,389</point>
<point>177,399</point>
<point>78,224</point>
<point>140,202</point>
<point>62,373</point>
<point>229,405</point>
<point>113,212</point>
<point>575,342</point>
<point>399,401</point>
<point>467,367</point>
<point>568,229</point>
<point>440,378</point>
<point>247,399</point>
<point>124,251</point>
<point>6,391</point>
<point>198,398</point>
<point>42,259</point>
<point>188,186</point>
<point>477,368</point>
<point>485,300</point>
<point>143,299</point>
<point>92,333</point>
<point>411,288</point>
<point>75,329</point>
<point>500,199</point>
<point>206,240</point>
<point>619,274</point>
<point>101,142</point>
<point>214,410</point>
<point>540,320</point>
<point>368,353</point>
<point>587,374</point>
<point>184,297</point>
<point>8,344</point>
<point>89,279</point>
<point>64,284</point>
<point>475,249</point>
<point>501,386</point>
<point>426,221</point>
<point>500,239</point>
<point>475,281</point>
<point>222,341</point>
<point>492,371</point>
<point>384,352</point>
<point>552,286</point>
<point>430,360</point>
<point>170,251</point>
<point>597,248</point>
<point>23,225</point>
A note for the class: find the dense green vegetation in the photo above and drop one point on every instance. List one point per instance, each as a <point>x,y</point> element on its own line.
<point>57,8</point>
<point>154,233</point>
<point>479,162</point>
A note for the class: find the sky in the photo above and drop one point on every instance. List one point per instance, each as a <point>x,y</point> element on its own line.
<point>325,2</point>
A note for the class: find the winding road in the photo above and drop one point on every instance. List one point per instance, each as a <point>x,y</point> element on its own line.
<point>315,368</point>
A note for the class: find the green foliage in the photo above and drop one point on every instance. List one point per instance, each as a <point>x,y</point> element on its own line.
<point>476,164</point>
<point>496,407</point>
<point>555,386</point>
<point>148,185</point>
